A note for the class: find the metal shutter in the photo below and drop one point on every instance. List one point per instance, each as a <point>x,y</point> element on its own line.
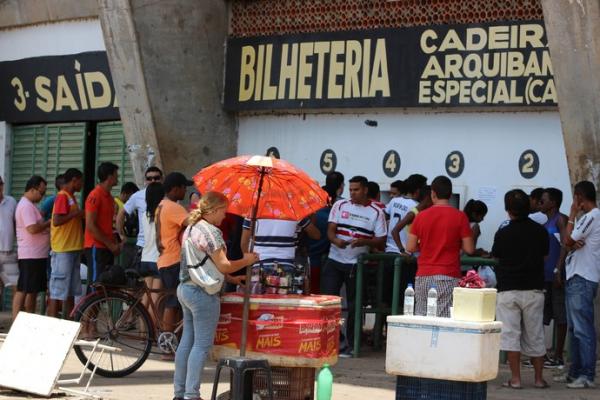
<point>45,150</point>
<point>111,146</point>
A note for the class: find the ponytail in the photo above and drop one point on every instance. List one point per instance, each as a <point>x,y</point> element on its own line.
<point>208,203</point>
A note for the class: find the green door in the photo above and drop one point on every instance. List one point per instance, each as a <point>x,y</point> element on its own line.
<point>111,146</point>
<point>45,150</point>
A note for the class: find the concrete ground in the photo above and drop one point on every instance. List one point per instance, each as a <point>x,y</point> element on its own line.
<point>354,379</point>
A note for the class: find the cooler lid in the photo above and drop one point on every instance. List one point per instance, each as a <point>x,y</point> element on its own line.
<point>482,290</point>
<point>285,300</point>
<point>417,321</point>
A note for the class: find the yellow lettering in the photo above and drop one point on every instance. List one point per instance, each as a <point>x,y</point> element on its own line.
<point>269,91</point>
<point>247,73</point>
<point>44,101</point>
<point>336,68</point>
<point>425,92</point>
<point>433,68</point>
<point>260,65</point>
<point>96,101</point>
<point>304,70</point>
<point>287,72</point>
<point>452,42</point>
<point>321,48</point>
<point>426,36</point>
<point>380,81</point>
<point>531,34</point>
<point>453,64</point>
<point>366,67</point>
<point>64,96</point>
<point>498,37</point>
<point>476,39</point>
<point>352,66</point>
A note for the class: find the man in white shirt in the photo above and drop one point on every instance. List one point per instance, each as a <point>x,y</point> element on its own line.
<point>9,270</point>
<point>354,226</point>
<point>137,203</point>
<point>583,275</point>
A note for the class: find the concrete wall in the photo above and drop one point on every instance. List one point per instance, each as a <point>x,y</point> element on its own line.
<point>27,12</point>
<point>67,37</point>
<point>491,144</point>
<point>181,45</point>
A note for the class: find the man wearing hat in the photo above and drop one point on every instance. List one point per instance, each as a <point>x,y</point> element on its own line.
<point>171,219</point>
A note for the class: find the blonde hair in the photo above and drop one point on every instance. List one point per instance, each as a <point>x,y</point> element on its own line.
<point>208,203</point>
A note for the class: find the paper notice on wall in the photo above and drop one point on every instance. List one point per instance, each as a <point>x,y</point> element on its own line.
<point>487,194</point>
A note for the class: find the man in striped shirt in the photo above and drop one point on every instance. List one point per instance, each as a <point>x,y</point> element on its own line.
<point>355,225</point>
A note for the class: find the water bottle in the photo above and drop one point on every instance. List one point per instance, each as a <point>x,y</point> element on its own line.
<point>324,383</point>
<point>432,302</point>
<point>409,300</point>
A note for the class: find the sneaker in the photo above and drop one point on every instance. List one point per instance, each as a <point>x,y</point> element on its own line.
<point>554,363</point>
<point>528,364</point>
<point>346,354</point>
<point>563,378</point>
<point>581,383</point>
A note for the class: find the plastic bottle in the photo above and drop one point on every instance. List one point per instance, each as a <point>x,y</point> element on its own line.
<point>324,383</point>
<point>409,300</point>
<point>255,286</point>
<point>283,282</point>
<point>432,302</point>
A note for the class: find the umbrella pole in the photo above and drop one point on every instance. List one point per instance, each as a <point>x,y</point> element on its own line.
<point>246,311</point>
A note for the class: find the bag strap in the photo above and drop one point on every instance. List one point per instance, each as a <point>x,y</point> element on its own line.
<point>189,243</point>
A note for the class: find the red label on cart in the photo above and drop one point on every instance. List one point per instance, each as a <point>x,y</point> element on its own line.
<point>304,326</point>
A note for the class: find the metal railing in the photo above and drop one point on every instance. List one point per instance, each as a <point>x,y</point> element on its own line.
<point>380,309</point>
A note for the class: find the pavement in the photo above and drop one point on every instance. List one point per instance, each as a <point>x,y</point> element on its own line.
<point>354,379</point>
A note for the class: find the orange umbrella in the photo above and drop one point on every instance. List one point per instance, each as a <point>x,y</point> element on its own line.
<point>287,192</point>
<point>261,187</point>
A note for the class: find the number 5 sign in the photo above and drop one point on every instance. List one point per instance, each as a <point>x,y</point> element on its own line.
<point>328,161</point>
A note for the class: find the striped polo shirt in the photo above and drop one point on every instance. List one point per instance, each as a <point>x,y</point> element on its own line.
<point>275,239</point>
<point>355,221</point>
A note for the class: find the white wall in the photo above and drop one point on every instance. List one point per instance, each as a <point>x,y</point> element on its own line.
<point>490,142</point>
<point>67,37</point>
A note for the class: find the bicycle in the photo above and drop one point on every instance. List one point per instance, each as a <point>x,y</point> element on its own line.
<point>116,316</point>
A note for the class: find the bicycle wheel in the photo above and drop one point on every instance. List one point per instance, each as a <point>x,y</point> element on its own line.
<point>117,321</point>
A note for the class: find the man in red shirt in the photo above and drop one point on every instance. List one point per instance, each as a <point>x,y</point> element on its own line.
<point>100,245</point>
<point>439,233</point>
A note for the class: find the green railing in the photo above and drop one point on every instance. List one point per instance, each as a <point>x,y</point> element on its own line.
<point>381,310</point>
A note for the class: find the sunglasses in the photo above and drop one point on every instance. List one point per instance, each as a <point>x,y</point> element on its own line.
<point>153,178</point>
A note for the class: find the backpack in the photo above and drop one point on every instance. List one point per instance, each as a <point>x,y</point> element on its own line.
<point>131,226</point>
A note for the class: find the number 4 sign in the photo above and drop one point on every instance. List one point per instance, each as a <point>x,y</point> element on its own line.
<point>391,163</point>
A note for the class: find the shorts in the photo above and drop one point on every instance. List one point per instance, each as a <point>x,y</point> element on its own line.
<point>554,304</point>
<point>9,268</point>
<point>170,279</point>
<point>148,269</point>
<point>32,275</point>
<point>65,278</point>
<point>522,316</point>
<point>444,286</point>
<point>97,261</point>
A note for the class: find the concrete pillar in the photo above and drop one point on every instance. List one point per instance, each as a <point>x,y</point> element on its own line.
<point>167,61</point>
<point>125,62</point>
<point>573,29</point>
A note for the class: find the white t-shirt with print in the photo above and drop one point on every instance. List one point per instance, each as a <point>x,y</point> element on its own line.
<point>397,209</point>
<point>585,261</point>
<point>355,221</point>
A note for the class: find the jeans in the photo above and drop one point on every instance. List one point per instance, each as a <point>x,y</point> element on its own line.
<point>200,317</point>
<point>333,276</point>
<point>580,294</point>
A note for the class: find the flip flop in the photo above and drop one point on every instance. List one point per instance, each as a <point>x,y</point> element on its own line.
<point>510,385</point>
<point>544,385</point>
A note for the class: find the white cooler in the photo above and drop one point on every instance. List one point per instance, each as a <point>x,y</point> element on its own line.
<point>442,348</point>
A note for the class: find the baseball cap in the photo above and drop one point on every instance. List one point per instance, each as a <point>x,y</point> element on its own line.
<point>175,179</point>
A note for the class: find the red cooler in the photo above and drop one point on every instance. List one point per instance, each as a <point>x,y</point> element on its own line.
<point>287,330</point>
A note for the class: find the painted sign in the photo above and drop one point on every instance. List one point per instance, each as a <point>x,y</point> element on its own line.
<point>65,88</point>
<point>499,64</point>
